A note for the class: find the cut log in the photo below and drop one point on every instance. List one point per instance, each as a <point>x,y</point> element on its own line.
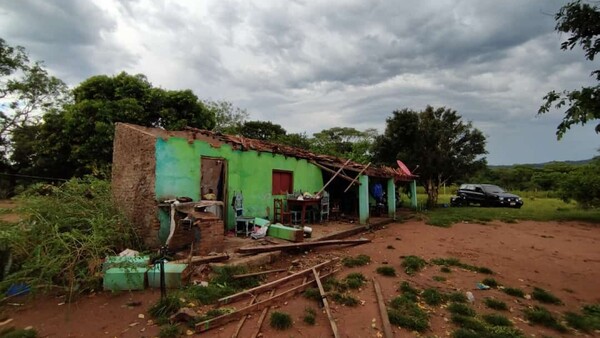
<point>385,320</point>
<point>272,285</point>
<point>226,318</point>
<point>336,334</point>
<point>253,274</point>
<point>305,245</point>
<point>195,260</point>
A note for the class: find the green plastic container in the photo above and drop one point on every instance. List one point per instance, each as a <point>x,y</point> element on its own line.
<point>173,275</point>
<point>121,279</point>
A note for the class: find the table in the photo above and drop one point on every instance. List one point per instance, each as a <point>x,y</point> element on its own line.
<point>248,222</point>
<point>303,204</point>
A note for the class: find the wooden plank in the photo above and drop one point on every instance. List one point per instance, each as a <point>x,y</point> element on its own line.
<point>336,334</point>
<point>387,327</point>
<point>273,284</point>
<point>242,320</point>
<point>313,244</point>
<point>333,172</point>
<point>262,316</point>
<point>332,177</point>
<point>357,176</point>
<point>202,259</point>
<point>226,318</point>
<point>260,273</point>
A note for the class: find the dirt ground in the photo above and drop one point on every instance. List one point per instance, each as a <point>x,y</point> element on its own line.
<point>563,258</point>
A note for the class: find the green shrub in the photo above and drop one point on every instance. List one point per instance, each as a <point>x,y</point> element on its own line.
<point>457,297</point>
<point>355,280</point>
<point>433,296</point>
<point>439,278</point>
<point>496,320</point>
<point>11,332</point>
<point>464,333</point>
<point>544,296</point>
<point>344,299</point>
<point>588,321</point>
<point>310,316</point>
<point>169,331</point>
<point>461,309</point>
<point>490,282</point>
<point>359,260</point>
<point>540,315</point>
<point>495,304</point>
<point>280,321</point>
<point>405,313</point>
<point>413,264</point>
<point>209,294</point>
<point>165,307</point>
<point>386,271</point>
<point>516,292</point>
<point>468,322</point>
<point>313,294</point>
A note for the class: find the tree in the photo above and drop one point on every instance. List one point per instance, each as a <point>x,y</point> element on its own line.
<point>228,118</point>
<point>78,139</point>
<point>582,22</point>
<point>583,185</point>
<point>345,142</point>
<point>444,148</point>
<point>262,130</point>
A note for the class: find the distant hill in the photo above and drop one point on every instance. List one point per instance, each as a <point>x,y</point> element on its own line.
<point>541,165</point>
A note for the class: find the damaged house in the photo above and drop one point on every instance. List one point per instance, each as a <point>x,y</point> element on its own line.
<point>168,181</point>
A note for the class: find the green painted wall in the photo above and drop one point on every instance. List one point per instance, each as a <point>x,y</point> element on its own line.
<point>178,174</point>
<point>363,199</point>
<point>391,198</point>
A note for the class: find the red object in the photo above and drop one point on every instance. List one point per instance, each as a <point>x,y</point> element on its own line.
<point>403,168</point>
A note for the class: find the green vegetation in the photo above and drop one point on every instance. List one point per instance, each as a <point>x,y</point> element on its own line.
<point>445,269</point>
<point>445,262</point>
<point>11,332</point>
<point>386,271</point>
<point>280,321</point>
<point>169,331</point>
<point>313,294</point>
<point>209,294</point>
<point>359,260</point>
<point>355,280</point>
<point>310,316</point>
<point>544,296</point>
<point>461,309</point>
<point>68,230</point>
<point>457,297</point>
<point>344,299</point>
<point>439,278</point>
<point>475,327</point>
<point>433,297</point>
<point>165,307</point>
<point>490,282</point>
<point>496,320</point>
<point>469,322</point>
<point>588,321</point>
<point>516,292</point>
<point>495,304</point>
<point>413,264</point>
<point>221,285</point>
<point>405,312</point>
<point>540,315</point>
<point>408,291</point>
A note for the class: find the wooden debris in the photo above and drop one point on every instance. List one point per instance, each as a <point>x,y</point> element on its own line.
<point>260,273</point>
<point>195,260</point>
<point>387,327</point>
<point>262,316</point>
<point>242,320</point>
<point>336,334</point>
<point>272,285</point>
<point>185,314</point>
<point>226,318</point>
<point>305,245</point>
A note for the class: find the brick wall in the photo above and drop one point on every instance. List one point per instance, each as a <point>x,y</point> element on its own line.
<point>211,235</point>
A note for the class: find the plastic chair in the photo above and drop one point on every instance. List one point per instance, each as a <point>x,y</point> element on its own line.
<point>325,206</point>
<point>247,221</point>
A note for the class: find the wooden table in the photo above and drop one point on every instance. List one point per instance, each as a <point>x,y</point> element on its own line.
<point>303,204</point>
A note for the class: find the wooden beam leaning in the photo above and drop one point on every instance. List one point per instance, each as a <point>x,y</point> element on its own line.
<point>357,176</point>
<point>385,320</point>
<point>333,171</point>
<point>226,318</point>
<point>273,284</point>
<point>336,334</point>
<point>332,177</point>
<point>314,244</point>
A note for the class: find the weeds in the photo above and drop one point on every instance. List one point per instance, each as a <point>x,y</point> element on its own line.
<point>18,333</point>
<point>408,291</point>
<point>461,309</point>
<point>544,296</point>
<point>456,262</point>
<point>165,307</point>
<point>588,321</point>
<point>457,297</point>
<point>280,321</point>
<point>439,278</point>
<point>169,331</point>
<point>313,294</point>
<point>495,304</point>
<point>359,260</point>
<point>386,271</point>
<point>469,322</point>
<point>310,316</point>
<point>209,294</point>
<point>445,269</point>
<point>406,313</point>
<point>515,292</point>
<point>413,264</point>
<point>496,320</point>
<point>490,282</point>
<point>540,315</point>
<point>344,299</point>
<point>433,296</point>
<point>355,280</point>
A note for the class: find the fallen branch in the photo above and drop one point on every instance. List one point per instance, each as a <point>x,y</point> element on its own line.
<point>226,318</point>
<point>253,274</point>
<point>273,284</point>
<point>314,244</point>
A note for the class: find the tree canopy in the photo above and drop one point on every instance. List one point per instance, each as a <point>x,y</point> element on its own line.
<point>582,22</point>
<point>437,141</point>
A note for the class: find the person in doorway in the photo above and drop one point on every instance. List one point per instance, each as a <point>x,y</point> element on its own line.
<point>210,196</point>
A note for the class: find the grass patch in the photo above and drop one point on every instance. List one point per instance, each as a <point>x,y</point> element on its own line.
<point>406,313</point>
<point>313,294</point>
<point>469,322</point>
<point>359,260</point>
<point>280,321</point>
<point>408,291</point>
<point>544,296</point>
<point>355,280</point>
<point>310,316</point>
<point>496,320</point>
<point>413,264</point>
<point>446,262</point>
<point>457,297</point>
<point>588,321</point>
<point>495,304</point>
<point>540,315</point>
<point>490,282</point>
<point>169,331</point>
<point>386,271</point>
<point>224,276</point>
<point>344,299</point>
<point>445,269</point>
<point>432,296</point>
<point>165,307</point>
<point>208,294</point>
<point>18,333</point>
<point>439,278</point>
<point>461,309</point>
<point>515,292</point>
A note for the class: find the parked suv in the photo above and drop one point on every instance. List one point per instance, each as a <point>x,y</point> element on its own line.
<point>486,195</point>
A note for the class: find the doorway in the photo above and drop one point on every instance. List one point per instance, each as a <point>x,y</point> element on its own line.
<point>213,178</point>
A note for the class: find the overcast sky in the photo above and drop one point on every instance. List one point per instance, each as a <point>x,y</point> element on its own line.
<point>312,65</point>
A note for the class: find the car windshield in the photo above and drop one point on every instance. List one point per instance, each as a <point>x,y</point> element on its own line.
<point>492,188</point>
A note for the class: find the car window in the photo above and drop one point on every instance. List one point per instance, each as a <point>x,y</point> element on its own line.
<point>493,189</point>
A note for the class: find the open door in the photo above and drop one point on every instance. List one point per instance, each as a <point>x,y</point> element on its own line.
<point>213,177</point>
